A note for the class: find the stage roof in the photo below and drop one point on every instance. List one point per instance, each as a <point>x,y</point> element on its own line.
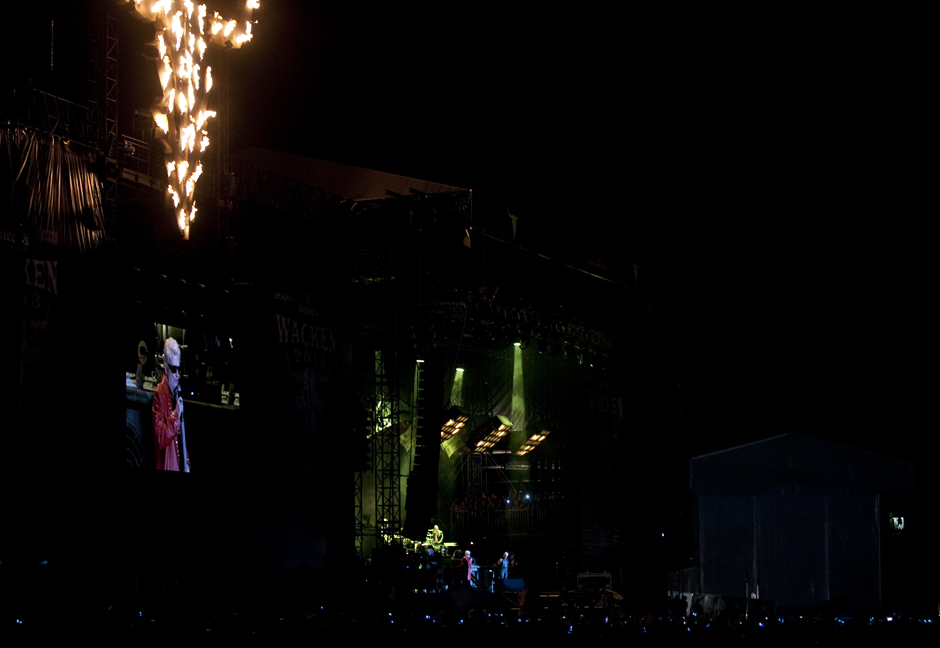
<point>754,467</point>
<point>346,182</point>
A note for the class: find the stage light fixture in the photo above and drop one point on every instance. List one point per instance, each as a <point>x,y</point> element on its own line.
<point>517,342</point>
<point>494,429</point>
<point>460,368</point>
<point>533,441</point>
<point>456,420</point>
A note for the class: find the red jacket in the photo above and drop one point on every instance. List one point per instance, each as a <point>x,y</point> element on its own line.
<point>466,567</point>
<point>166,429</point>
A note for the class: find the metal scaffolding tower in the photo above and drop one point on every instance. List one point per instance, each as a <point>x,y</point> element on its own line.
<point>385,451</point>
<point>477,484</point>
<point>102,89</point>
<point>359,527</point>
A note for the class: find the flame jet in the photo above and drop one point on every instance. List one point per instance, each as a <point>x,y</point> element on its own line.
<point>184,30</point>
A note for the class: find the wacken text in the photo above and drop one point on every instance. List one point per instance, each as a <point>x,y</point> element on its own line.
<point>42,275</point>
<point>318,337</point>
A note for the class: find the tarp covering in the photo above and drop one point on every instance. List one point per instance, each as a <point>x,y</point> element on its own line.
<point>52,189</point>
<point>795,518</point>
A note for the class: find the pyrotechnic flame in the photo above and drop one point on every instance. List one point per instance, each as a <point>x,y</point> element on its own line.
<point>164,71</point>
<point>188,138</point>
<point>162,121</point>
<point>176,26</point>
<point>244,38</point>
<point>181,41</point>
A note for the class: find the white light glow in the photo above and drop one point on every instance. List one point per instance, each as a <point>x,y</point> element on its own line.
<point>244,38</point>
<point>164,71</point>
<point>162,121</point>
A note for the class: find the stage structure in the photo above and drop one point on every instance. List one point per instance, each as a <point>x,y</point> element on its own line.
<point>794,519</point>
<point>336,281</point>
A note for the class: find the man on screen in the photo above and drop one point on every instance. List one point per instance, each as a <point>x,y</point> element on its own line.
<point>168,432</point>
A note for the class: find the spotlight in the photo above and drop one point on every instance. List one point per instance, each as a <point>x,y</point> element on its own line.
<point>517,342</point>
<point>533,441</point>
<point>456,419</point>
<point>460,368</point>
<point>492,431</point>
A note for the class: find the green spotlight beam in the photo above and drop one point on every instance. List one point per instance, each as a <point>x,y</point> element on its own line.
<point>517,436</point>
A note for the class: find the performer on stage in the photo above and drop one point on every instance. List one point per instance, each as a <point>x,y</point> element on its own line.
<point>169,437</point>
<point>437,536</point>
<point>503,566</point>
<point>465,570</point>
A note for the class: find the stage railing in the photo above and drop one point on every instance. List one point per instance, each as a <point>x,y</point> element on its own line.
<point>520,521</point>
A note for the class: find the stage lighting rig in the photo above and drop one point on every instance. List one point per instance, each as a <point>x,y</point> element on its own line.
<point>456,420</point>
<point>492,431</point>
<point>533,441</point>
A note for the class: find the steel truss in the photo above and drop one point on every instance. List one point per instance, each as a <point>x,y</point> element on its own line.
<point>385,451</point>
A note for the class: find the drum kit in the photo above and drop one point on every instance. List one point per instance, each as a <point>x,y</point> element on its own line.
<point>432,545</point>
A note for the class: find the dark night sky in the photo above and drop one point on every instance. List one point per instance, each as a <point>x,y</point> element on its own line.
<point>767,166</point>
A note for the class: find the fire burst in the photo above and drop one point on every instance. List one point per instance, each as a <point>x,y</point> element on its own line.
<point>183,32</point>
